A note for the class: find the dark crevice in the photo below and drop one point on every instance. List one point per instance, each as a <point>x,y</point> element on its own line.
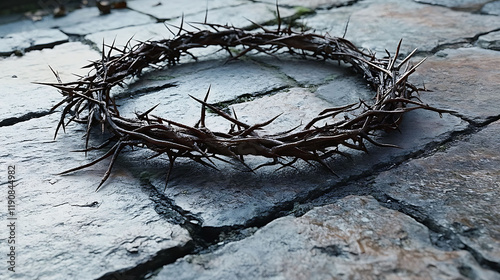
<point>23,118</point>
<point>224,105</point>
<point>340,5</point>
<point>45,46</point>
<point>144,91</point>
<point>478,123</point>
<point>440,236</point>
<point>142,270</point>
<point>21,52</point>
<point>466,42</point>
<point>174,214</point>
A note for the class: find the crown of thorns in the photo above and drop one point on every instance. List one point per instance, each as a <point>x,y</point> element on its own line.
<point>88,100</point>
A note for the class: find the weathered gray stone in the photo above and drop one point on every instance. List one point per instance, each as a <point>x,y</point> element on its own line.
<point>492,8</point>
<point>379,25</point>
<point>132,35</point>
<point>305,72</point>
<point>489,41</point>
<point>354,238</point>
<point>461,5</point>
<point>175,9</point>
<point>464,80</point>
<point>36,39</point>
<point>17,26</point>
<point>80,22</point>
<point>88,20</point>
<point>19,93</point>
<point>457,189</point>
<point>65,230</point>
<point>239,16</point>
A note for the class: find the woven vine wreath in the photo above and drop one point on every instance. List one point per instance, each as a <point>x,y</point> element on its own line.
<point>88,100</point>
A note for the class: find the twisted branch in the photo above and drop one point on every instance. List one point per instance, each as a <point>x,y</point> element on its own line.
<point>88,100</point>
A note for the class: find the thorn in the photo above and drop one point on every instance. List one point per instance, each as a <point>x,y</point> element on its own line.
<point>206,14</point>
<point>279,17</point>
<point>181,26</point>
<point>346,26</point>
<point>202,118</point>
<point>171,158</point>
<point>113,159</point>
<point>56,74</point>
<point>142,115</point>
<point>221,113</point>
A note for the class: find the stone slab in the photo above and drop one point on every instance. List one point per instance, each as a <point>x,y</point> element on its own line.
<point>380,25</point>
<point>80,22</point>
<point>29,40</point>
<point>492,8</point>
<point>19,93</point>
<point>461,5</point>
<point>64,229</point>
<point>464,80</point>
<point>174,9</point>
<point>353,238</point>
<point>232,13</point>
<point>304,72</point>
<point>489,41</point>
<point>457,189</point>
<point>88,20</point>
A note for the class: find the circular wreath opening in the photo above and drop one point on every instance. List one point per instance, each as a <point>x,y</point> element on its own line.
<point>88,100</point>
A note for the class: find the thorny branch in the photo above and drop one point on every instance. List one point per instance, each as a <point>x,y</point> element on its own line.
<point>88,100</point>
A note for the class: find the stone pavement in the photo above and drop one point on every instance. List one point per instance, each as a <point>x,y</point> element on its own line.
<point>429,210</point>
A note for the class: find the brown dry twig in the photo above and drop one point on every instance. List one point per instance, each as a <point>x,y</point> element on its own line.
<point>88,100</point>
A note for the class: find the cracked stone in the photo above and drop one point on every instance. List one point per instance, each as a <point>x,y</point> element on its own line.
<point>36,39</point>
<point>88,20</point>
<point>19,74</point>
<point>456,189</point>
<point>489,41</point>
<point>331,242</point>
<point>379,26</point>
<point>168,10</point>
<point>492,8</point>
<point>464,80</point>
<point>309,73</point>
<point>80,22</point>
<point>233,13</point>
<point>63,223</point>
<point>462,5</point>
<point>122,227</point>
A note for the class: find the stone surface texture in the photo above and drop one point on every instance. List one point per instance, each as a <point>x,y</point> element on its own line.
<point>353,238</point>
<point>426,210</point>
